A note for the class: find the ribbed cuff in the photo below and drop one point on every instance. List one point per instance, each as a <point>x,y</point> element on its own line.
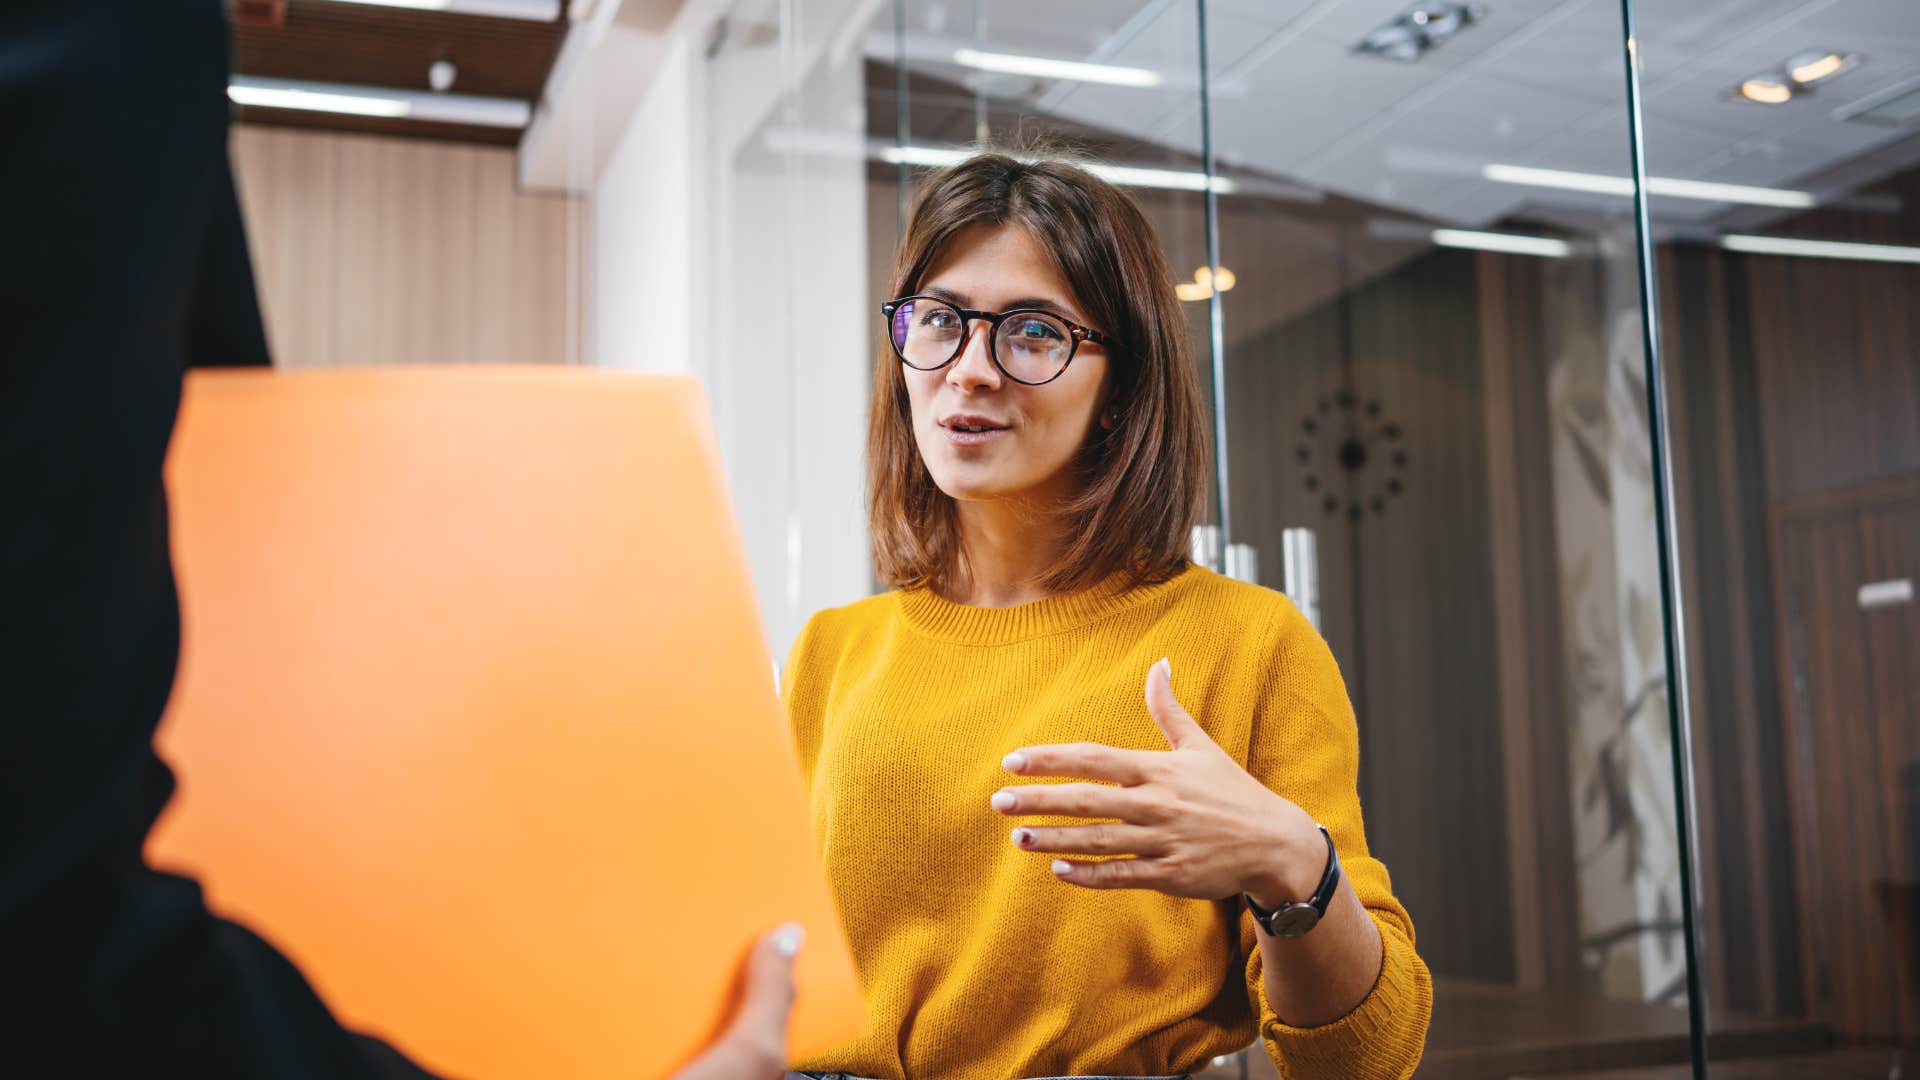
<point>1381,1038</point>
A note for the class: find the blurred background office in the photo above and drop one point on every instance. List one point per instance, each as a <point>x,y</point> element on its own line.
<point>1425,324</point>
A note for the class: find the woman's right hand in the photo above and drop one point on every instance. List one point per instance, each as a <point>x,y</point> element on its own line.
<point>754,1046</point>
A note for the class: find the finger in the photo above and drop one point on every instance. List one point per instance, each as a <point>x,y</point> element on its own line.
<point>1090,761</point>
<point>1104,839</point>
<point>1169,716</point>
<point>754,1046</point>
<point>1081,800</point>
<point>768,1000</point>
<point>1111,874</point>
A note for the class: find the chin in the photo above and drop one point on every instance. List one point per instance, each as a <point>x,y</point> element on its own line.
<point>972,489</point>
<point>971,482</point>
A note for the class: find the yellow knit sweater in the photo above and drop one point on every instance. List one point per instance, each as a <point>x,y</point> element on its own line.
<point>977,963</point>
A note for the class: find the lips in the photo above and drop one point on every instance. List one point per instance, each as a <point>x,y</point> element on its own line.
<point>970,429</point>
<point>971,423</point>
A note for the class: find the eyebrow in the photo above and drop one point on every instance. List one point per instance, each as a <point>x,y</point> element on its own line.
<point>1039,302</point>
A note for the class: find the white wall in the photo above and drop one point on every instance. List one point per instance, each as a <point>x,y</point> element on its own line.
<point>644,213</point>
<point>715,255</point>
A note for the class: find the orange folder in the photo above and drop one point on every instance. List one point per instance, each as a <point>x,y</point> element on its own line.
<point>475,717</point>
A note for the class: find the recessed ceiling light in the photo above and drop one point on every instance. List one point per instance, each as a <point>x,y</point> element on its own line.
<point>1814,65</point>
<point>1797,74</point>
<point>1204,282</point>
<point>1420,28</point>
<point>1767,90</point>
<point>1394,42</point>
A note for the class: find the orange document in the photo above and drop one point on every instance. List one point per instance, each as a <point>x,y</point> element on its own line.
<point>475,718</point>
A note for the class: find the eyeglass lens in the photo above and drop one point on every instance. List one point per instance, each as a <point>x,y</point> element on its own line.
<point>1031,347</point>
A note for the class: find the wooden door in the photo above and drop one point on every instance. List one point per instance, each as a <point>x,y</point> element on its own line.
<point>1846,570</point>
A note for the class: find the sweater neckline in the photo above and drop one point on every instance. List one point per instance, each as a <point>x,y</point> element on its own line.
<point>935,616</point>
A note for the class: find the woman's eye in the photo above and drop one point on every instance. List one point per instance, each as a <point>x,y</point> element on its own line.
<point>937,318</point>
<point>1036,330</point>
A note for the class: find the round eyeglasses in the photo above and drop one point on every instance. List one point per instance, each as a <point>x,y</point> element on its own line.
<point>1029,346</point>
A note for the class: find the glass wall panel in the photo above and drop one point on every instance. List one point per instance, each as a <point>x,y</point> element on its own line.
<point>787,329</point>
<point>1435,379</point>
<point>1436,421</point>
<point>1783,146</point>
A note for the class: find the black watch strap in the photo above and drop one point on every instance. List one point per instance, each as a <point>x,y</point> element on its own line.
<point>1290,920</point>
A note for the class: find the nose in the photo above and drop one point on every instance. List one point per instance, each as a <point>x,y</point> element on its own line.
<point>973,369</point>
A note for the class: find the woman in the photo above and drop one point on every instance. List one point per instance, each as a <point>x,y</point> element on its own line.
<point>1037,461</point>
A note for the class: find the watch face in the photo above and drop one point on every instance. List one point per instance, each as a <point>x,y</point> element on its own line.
<point>1294,920</point>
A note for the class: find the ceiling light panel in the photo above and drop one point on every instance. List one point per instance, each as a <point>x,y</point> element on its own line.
<point>306,100</point>
<point>1819,249</point>
<point>1041,67</point>
<point>1896,106</point>
<point>938,157</point>
<point>353,100</point>
<point>1508,243</point>
<point>527,10</point>
<point>1622,186</point>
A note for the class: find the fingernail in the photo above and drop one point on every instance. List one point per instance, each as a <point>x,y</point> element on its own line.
<point>1003,801</point>
<point>1166,665</point>
<point>788,939</point>
<point>1014,762</point>
<point>1020,837</point>
<point>1061,867</point>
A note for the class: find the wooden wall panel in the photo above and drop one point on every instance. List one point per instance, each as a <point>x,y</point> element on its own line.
<point>1836,344</point>
<point>1836,348</point>
<point>1851,683</point>
<point>290,191</point>
<point>1751,919</point>
<point>379,250</point>
<point>1793,381</point>
<point>1523,551</point>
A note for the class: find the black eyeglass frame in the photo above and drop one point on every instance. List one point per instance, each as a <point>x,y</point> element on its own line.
<point>1075,332</point>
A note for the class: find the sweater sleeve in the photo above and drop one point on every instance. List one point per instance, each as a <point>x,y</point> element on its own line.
<point>1305,744</point>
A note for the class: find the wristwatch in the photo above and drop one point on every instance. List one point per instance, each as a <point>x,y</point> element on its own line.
<point>1296,917</point>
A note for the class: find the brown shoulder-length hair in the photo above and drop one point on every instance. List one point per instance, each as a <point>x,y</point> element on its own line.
<point>1143,483</point>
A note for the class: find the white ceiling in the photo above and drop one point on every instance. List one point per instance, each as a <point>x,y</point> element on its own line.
<point>1538,82</point>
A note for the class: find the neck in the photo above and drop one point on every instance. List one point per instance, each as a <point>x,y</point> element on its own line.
<point>1009,547</point>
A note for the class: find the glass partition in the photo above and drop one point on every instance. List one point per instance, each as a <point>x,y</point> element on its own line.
<point>787,328</point>
<point>1784,172</point>
<point>1436,383</point>
<point>1437,437</point>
